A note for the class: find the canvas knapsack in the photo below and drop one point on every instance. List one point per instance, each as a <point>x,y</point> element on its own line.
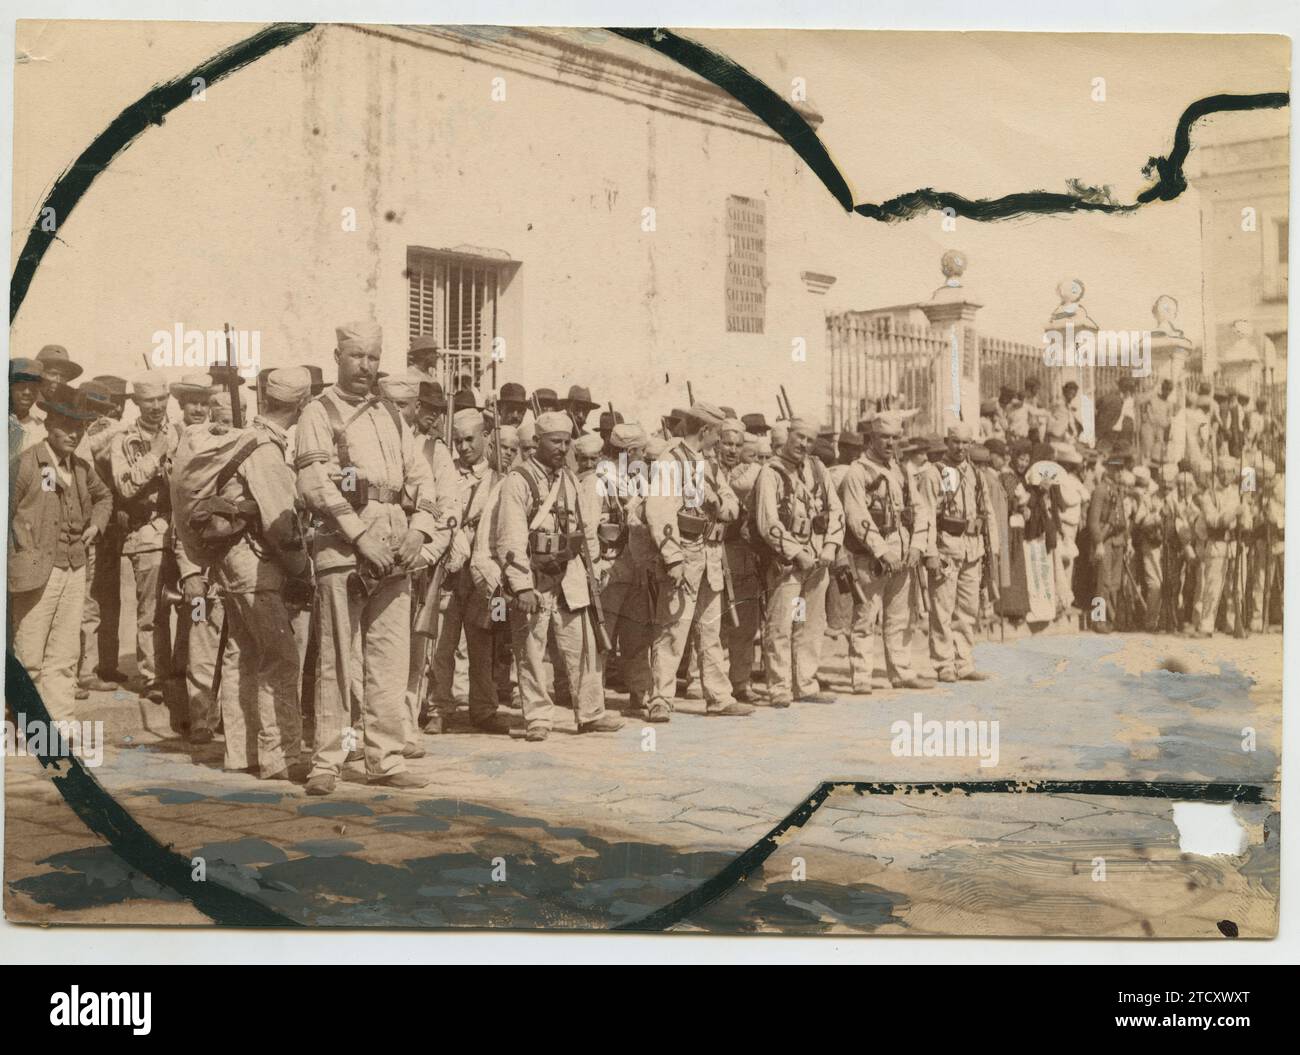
<point>210,516</point>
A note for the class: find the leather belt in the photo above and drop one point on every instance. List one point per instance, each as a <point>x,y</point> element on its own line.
<point>383,495</point>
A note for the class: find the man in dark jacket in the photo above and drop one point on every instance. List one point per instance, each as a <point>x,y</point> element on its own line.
<point>58,506</point>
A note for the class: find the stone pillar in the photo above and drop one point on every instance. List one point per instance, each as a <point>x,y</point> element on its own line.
<point>951,312</point>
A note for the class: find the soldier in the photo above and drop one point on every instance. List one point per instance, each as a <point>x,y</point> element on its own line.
<point>140,457</point>
<point>262,715</point>
<point>512,404</point>
<point>746,573</point>
<point>960,506</point>
<point>1148,538</point>
<point>25,426</point>
<point>58,506</point>
<point>882,534</point>
<point>357,459</point>
<point>542,517</point>
<point>587,450</point>
<point>608,419</point>
<point>686,512</point>
<point>97,669</point>
<point>1179,580</point>
<point>197,642</point>
<point>422,359</point>
<point>426,415</point>
<point>469,607</point>
<point>1108,531</point>
<point>504,447</point>
<point>1221,509</point>
<point>527,434</point>
<point>626,596</point>
<point>57,368</point>
<point>800,525</point>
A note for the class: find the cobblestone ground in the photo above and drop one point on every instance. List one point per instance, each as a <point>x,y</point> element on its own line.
<point>601,830</point>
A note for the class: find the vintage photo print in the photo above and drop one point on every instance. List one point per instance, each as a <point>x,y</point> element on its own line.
<point>728,481</point>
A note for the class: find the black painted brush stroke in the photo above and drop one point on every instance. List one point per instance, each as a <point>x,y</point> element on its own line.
<point>790,125</point>
<point>100,812</point>
<point>149,109</point>
<point>752,859</point>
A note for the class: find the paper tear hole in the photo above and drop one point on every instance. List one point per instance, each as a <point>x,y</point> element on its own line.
<point>1208,829</point>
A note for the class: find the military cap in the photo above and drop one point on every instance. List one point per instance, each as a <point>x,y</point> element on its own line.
<point>704,413</point>
<point>627,435</point>
<point>886,425</point>
<point>960,430</point>
<point>732,426</point>
<point>527,433</point>
<point>289,384</point>
<point>553,421</point>
<point>729,412</point>
<point>148,387</point>
<point>399,387</point>
<point>589,443</point>
<point>363,333</point>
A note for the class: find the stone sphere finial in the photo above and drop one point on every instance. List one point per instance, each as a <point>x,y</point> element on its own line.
<point>953,265</point>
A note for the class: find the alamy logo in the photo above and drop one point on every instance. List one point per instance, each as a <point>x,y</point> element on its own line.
<point>919,738</point>
<point>207,348</point>
<point>102,1009</point>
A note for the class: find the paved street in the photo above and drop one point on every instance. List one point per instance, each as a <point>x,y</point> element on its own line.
<point>599,831</point>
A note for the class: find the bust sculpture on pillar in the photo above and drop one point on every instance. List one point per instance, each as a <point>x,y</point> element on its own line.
<point>951,311</point>
<point>1070,346</point>
<point>1169,345</point>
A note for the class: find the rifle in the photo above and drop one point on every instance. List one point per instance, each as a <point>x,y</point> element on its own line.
<point>728,587</point>
<point>231,379</point>
<point>789,410</point>
<point>595,609</point>
<point>496,437</point>
<point>690,395</point>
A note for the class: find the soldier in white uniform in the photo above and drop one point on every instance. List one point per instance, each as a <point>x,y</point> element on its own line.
<point>357,461</point>
<point>689,505</point>
<point>960,507</point>
<point>798,519</point>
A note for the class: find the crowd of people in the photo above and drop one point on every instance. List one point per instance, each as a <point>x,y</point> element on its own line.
<point>345,568</point>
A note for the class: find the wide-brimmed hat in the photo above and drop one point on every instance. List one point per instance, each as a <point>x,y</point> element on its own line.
<point>546,398</point>
<point>114,385</point>
<point>431,393</point>
<point>25,370</point>
<point>194,386</point>
<point>98,399</point>
<point>755,424</point>
<point>579,399</point>
<point>57,363</point>
<point>317,378</point>
<point>426,342</point>
<point>69,403</point>
<point>512,394</point>
<point>464,400</point>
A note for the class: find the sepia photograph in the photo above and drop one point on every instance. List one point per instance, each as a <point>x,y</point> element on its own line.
<point>728,482</point>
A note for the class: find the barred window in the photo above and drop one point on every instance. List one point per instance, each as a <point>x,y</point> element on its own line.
<point>454,297</point>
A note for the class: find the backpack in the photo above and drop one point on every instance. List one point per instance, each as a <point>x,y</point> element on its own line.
<point>209,519</point>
